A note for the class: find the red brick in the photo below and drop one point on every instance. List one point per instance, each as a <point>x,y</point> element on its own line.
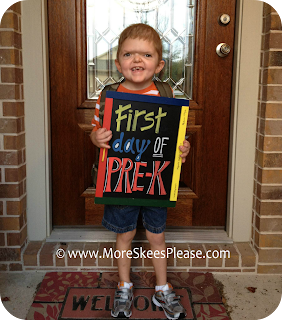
<point>270,269</point>
<point>60,262</point>
<point>270,240</point>
<point>76,247</point>
<point>10,223</point>
<point>2,240</point>
<point>10,125</point>
<point>8,91</point>
<point>269,176</point>
<point>17,239</point>
<point>16,207</point>
<point>10,39</point>
<point>10,56</point>
<point>215,270</point>
<point>269,160</point>
<point>10,254</point>
<point>16,7</point>
<point>197,262</point>
<point>15,174</point>
<point>47,254</point>
<point>273,41</point>
<point>248,256</point>
<point>105,261</point>
<point>14,142</point>
<point>9,21</point>
<point>92,247</point>
<point>270,255</point>
<point>269,192</point>
<point>214,251</point>
<point>15,267</point>
<point>273,127</point>
<point>272,76</point>
<point>269,224</point>
<point>30,254</point>
<point>275,22</point>
<point>13,109</point>
<point>11,190</point>
<point>11,75</point>
<point>267,9</point>
<point>271,110</point>
<point>271,144</point>
<point>269,208</point>
<point>3,267</point>
<point>273,59</point>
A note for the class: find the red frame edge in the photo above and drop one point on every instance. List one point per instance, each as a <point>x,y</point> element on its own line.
<point>102,164</point>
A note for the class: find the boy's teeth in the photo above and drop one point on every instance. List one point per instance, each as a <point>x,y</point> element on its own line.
<point>137,68</point>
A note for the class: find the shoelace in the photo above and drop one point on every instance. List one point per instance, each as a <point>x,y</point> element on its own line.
<point>121,295</point>
<point>171,297</point>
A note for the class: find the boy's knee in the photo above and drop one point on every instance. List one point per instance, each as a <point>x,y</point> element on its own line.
<point>156,239</point>
<point>126,236</point>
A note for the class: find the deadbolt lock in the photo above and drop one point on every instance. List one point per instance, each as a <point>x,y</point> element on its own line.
<point>223,49</point>
<point>224,19</point>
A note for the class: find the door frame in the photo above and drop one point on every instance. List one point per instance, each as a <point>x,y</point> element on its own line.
<point>243,119</point>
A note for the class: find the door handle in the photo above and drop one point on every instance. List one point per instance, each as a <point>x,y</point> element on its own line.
<point>223,49</point>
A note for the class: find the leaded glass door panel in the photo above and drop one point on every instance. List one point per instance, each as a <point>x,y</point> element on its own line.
<point>174,20</point>
<point>83,36</point>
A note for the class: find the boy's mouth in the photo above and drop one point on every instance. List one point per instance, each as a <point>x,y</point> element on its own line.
<point>137,69</point>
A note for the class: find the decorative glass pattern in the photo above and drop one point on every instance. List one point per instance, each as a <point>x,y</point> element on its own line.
<point>174,21</point>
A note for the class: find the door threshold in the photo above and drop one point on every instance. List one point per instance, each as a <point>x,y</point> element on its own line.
<point>171,235</point>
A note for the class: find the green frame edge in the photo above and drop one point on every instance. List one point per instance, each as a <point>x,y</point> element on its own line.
<point>135,202</point>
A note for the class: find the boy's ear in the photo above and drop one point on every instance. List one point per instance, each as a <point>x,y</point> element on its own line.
<point>118,65</point>
<point>160,66</point>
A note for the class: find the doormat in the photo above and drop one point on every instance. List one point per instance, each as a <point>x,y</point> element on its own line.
<point>95,303</point>
<point>89,295</point>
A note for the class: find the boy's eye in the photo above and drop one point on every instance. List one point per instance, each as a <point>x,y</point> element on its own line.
<point>147,55</point>
<point>127,54</point>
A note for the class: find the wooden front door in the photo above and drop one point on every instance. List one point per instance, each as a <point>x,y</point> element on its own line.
<point>202,197</point>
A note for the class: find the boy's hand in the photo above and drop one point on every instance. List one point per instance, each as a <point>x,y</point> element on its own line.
<point>185,150</point>
<point>101,137</point>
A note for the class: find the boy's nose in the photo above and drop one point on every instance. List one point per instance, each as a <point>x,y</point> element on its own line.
<point>137,57</point>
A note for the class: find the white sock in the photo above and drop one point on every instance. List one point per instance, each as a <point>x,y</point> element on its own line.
<point>162,288</point>
<point>124,284</point>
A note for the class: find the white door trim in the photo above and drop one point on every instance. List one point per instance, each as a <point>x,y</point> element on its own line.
<point>244,118</point>
<point>37,121</point>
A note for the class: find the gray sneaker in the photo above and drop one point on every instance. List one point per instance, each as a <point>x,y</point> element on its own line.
<point>122,302</point>
<point>170,303</point>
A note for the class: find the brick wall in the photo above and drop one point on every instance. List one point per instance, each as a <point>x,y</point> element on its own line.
<point>13,227</point>
<point>267,217</point>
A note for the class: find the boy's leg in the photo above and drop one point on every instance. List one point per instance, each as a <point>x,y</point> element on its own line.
<point>157,243</point>
<point>123,244</point>
<point>164,296</point>
<point>124,292</point>
<point>122,220</point>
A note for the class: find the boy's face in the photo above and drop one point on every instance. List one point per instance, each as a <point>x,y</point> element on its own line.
<point>138,61</point>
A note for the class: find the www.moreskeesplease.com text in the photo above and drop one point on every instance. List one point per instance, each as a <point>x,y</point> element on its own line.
<point>140,252</point>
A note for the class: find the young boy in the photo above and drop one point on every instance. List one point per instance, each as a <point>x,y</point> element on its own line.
<point>139,57</point>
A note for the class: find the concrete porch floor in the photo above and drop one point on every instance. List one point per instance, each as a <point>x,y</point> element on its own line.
<point>240,302</point>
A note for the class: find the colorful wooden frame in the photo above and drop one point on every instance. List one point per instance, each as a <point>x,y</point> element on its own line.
<point>142,167</point>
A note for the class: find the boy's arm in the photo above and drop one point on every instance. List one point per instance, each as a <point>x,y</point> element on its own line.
<point>99,136</point>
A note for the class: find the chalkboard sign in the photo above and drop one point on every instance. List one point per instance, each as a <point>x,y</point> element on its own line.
<point>142,167</point>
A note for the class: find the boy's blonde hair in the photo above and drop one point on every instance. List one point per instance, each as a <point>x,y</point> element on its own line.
<point>144,32</point>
